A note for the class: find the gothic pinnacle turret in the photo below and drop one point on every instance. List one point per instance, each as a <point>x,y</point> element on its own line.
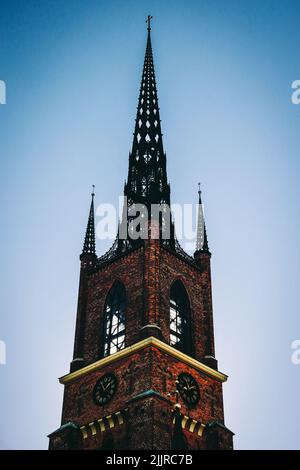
<point>89,246</point>
<point>201,242</point>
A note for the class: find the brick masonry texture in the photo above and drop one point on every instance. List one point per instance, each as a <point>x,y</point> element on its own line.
<point>149,369</point>
<point>148,275</point>
<point>147,378</point>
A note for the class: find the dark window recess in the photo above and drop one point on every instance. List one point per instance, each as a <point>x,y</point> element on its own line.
<point>180,328</point>
<point>114,320</point>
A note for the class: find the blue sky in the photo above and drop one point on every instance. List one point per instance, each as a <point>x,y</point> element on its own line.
<point>224,71</point>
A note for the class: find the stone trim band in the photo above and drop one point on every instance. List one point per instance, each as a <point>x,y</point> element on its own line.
<point>151,341</point>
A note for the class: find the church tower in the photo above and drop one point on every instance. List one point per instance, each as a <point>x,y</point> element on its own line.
<point>144,373</point>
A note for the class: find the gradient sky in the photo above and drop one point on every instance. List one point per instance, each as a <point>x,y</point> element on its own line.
<point>224,71</point>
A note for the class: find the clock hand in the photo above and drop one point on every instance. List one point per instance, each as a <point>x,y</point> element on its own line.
<point>107,385</point>
<point>104,387</point>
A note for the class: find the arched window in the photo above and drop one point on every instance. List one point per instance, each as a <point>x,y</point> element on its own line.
<point>114,320</point>
<point>180,322</point>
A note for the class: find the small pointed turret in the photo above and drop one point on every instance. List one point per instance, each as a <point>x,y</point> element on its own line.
<point>88,259</point>
<point>89,246</point>
<point>205,247</point>
<point>201,242</point>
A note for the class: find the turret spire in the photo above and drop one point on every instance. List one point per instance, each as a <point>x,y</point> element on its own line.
<point>89,246</point>
<point>201,242</point>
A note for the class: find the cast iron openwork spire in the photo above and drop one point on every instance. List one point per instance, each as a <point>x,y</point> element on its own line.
<point>147,181</point>
<point>89,247</point>
<point>201,242</point>
<point>147,176</point>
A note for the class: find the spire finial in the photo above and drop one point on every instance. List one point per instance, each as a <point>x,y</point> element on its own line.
<point>199,192</point>
<point>93,191</point>
<point>148,21</point>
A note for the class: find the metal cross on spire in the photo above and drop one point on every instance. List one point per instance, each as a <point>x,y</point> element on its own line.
<point>148,21</point>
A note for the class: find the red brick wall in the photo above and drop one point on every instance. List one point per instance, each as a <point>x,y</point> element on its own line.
<point>149,369</point>
<point>128,270</point>
<point>148,274</point>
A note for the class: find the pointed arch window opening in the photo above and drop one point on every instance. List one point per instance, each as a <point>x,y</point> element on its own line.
<point>114,320</point>
<point>180,327</point>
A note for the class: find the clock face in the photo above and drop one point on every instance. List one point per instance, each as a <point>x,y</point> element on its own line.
<point>105,389</point>
<point>188,389</point>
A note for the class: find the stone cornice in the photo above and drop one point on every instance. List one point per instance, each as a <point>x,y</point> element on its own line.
<point>145,343</point>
